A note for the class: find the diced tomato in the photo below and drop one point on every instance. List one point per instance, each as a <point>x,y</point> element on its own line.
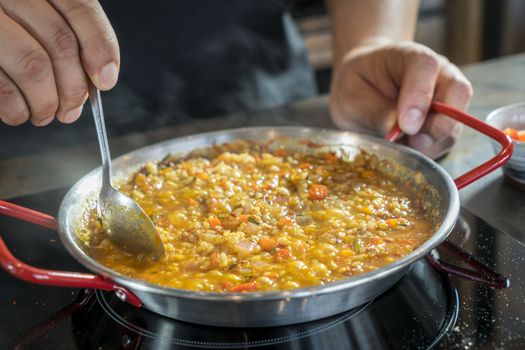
<point>318,192</point>
<point>214,222</point>
<point>285,221</point>
<point>267,243</point>
<point>282,254</point>
<point>244,287</point>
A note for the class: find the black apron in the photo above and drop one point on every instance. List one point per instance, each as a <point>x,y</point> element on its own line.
<point>191,59</point>
<point>186,59</point>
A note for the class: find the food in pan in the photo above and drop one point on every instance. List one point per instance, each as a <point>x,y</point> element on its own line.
<point>245,217</point>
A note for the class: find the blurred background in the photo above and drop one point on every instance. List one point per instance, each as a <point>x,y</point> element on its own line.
<point>465,31</point>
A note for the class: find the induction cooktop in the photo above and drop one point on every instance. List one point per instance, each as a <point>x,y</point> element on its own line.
<point>426,309</point>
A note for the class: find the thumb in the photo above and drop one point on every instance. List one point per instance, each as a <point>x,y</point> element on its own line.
<point>420,72</point>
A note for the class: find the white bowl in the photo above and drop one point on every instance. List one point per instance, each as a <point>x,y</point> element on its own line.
<point>511,116</point>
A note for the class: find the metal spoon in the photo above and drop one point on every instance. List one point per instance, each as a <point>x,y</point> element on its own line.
<point>126,224</point>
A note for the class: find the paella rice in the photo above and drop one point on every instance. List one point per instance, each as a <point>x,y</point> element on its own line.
<point>249,218</point>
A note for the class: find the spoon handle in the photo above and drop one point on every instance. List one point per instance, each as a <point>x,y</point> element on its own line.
<point>98,115</point>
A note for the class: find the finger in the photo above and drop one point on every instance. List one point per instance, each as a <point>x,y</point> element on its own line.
<point>46,25</point>
<point>359,105</point>
<point>454,89</point>
<point>99,49</point>
<point>420,71</point>
<point>29,66</point>
<point>427,141</point>
<point>13,108</point>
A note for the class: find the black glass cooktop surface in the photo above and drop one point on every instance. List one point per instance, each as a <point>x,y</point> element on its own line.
<point>426,309</point>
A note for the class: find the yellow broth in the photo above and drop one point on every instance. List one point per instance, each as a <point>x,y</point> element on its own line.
<point>254,219</point>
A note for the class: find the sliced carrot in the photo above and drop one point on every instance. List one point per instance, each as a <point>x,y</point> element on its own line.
<point>521,135</point>
<point>192,202</point>
<point>272,275</point>
<point>346,253</point>
<point>214,222</point>
<point>281,152</point>
<point>269,186</point>
<point>225,285</point>
<point>214,260</point>
<point>392,222</point>
<point>282,254</point>
<point>310,143</point>
<point>285,221</point>
<point>165,171</point>
<point>267,243</point>
<point>225,183</point>
<point>376,240</point>
<point>368,210</point>
<point>202,176</point>
<point>244,287</point>
<point>304,166</point>
<point>142,182</point>
<point>367,174</point>
<point>318,192</point>
<point>283,173</point>
<point>331,157</point>
<point>243,218</point>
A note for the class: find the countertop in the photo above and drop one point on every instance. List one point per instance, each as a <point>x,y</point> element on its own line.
<point>35,159</point>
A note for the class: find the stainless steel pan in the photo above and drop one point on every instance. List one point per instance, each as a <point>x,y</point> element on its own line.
<point>260,308</point>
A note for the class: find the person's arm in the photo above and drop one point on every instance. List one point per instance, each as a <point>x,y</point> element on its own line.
<point>357,22</point>
<point>381,76</point>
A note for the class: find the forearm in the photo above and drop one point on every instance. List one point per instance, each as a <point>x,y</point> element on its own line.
<point>355,22</point>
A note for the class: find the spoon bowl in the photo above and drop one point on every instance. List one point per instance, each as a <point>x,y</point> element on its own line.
<point>127,225</point>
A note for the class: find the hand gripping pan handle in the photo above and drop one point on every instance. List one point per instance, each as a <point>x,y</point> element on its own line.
<point>480,273</point>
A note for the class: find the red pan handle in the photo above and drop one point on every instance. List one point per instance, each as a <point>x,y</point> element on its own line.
<point>497,161</point>
<point>29,215</point>
<point>32,274</point>
<point>481,272</point>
